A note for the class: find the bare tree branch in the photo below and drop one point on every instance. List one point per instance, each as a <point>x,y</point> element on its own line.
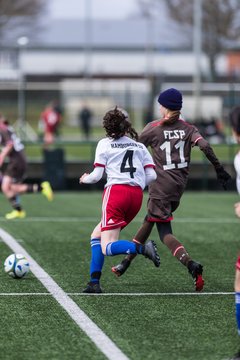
<point>220,22</point>
<point>18,15</point>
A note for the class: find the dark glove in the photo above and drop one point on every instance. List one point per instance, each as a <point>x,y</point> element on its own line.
<point>223,177</point>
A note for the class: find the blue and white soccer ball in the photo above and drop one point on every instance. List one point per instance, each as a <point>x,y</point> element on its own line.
<point>16,265</point>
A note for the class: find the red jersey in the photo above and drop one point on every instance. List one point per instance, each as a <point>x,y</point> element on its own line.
<point>51,119</point>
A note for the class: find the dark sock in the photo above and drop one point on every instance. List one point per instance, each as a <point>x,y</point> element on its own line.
<point>95,277</point>
<point>139,248</point>
<point>14,201</point>
<point>177,249</point>
<point>33,188</point>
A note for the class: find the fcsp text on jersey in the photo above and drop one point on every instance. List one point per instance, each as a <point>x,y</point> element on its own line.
<point>174,134</point>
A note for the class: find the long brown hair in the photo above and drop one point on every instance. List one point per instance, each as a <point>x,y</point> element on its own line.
<point>173,116</point>
<point>117,124</point>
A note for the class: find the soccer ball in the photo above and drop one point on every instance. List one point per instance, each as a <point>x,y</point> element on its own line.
<point>16,265</point>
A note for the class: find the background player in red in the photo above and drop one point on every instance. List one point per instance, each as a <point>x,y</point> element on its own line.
<point>12,186</point>
<point>129,168</point>
<point>171,140</point>
<point>50,120</point>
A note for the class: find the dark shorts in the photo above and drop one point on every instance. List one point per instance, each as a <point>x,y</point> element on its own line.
<point>160,210</point>
<point>16,168</point>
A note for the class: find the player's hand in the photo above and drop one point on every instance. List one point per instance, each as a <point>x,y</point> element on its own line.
<point>223,177</point>
<point>81,180</point>
<point>237,209</point>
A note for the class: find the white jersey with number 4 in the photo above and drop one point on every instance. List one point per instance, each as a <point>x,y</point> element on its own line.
<point>124,161</point>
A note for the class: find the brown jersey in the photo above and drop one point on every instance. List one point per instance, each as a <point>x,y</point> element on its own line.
<point>16,167</point>
<point>171,145</point>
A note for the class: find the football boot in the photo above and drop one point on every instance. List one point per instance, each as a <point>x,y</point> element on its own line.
<point>93,288</point>
<point>196,270</point>
<point>150,252</point>
<point>15,214</point>
<point>47,190</point>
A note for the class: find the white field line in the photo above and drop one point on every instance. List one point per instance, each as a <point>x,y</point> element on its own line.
<point>102,341</point>
<point>159,294</point>
<point>125,294</point>
<point>94,219</point>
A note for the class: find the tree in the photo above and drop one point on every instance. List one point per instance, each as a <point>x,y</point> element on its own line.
<point>220,22</point>
<point>18,16</point>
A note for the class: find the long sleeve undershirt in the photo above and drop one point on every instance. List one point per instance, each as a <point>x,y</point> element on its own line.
<point>97,174</point>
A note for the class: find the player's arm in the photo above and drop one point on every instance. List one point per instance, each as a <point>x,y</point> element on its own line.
<point>149,167</point>
<point>93,177</point>
<point>99,164</point>
<point>222,174</point>
<point>150,174</point>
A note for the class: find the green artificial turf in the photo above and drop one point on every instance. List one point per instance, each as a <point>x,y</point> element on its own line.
<point>149,321</point>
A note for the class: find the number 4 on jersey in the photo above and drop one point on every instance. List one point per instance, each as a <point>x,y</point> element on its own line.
<point>127,163</point>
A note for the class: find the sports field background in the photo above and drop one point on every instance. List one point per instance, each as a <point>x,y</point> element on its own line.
<point>149,313</point>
